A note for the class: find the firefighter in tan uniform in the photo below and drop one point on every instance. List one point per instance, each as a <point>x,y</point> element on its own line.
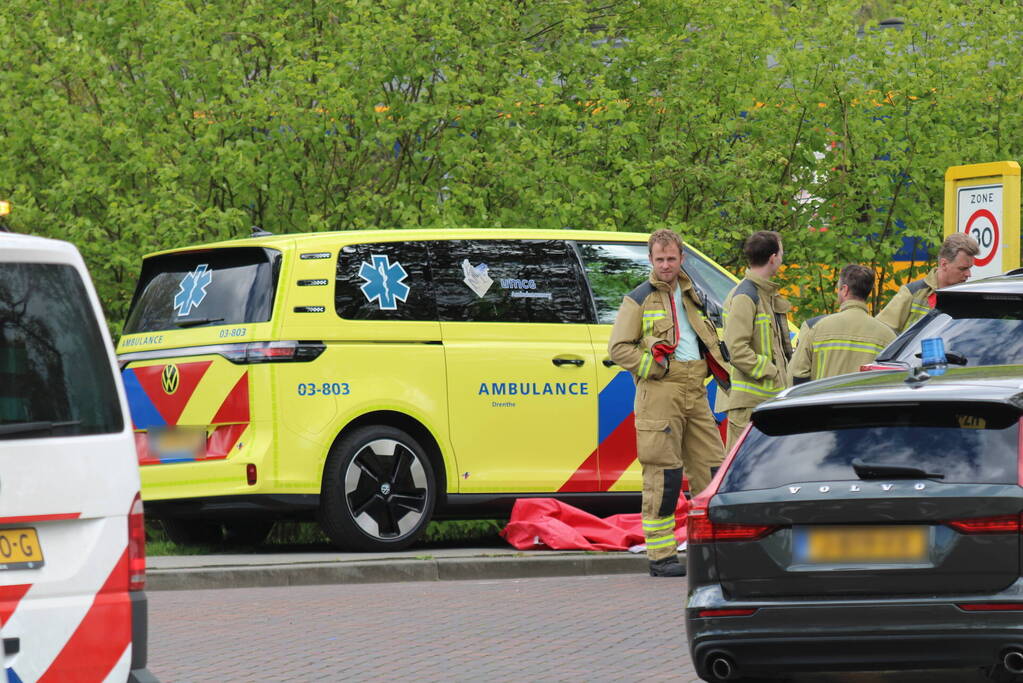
<point>663,338</point>
<point>915,299</point>
<point>840,343</point>
<point>756,332</point>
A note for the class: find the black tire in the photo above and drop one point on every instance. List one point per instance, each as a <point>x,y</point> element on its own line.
<point>193,531</point>
<point>246,532</point>
<point>379,490</point>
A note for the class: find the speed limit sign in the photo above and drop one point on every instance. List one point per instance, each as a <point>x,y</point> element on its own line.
<point>983,200</point>
<point>980,217</point>
<point>983,227</point>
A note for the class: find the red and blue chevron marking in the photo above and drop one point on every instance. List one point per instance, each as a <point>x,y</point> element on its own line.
<point>152,407</point>
<point>616,428</point>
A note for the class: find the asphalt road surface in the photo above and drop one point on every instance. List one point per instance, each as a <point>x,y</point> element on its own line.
<point>595,628</point>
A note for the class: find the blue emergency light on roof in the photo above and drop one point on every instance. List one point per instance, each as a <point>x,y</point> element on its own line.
<point>932,351</point>
<point>932,362</point>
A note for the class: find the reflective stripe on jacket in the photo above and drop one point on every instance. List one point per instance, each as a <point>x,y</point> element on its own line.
<point>910,303</point>
<point>757,337</point>
<point>839,343</point>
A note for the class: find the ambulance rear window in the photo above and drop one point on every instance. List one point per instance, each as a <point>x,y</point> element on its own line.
<point>204,287</point>
<point>56,378</point>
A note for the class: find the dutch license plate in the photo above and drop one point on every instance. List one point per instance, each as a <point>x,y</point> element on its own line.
<point>178,442</point>
<point>20,549</point>
<point>843,544</point>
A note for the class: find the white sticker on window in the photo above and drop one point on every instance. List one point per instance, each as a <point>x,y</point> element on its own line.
<point>476,277</point>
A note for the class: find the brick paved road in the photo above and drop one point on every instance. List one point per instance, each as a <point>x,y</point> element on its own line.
<point>597,628</point>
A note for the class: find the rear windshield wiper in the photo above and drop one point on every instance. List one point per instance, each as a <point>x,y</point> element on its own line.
<point>874,470</point>
<point>198,321</point>
<point>32,427</point>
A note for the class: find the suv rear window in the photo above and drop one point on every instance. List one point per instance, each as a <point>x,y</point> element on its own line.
<point>55,374</point>
<point>966,442</point>
<point>983,330</point>
<point>205,287</point>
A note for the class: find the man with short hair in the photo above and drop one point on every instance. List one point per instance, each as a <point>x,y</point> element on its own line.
<point>914,300</point>
<point>756,332</point>
<point>840,343</point>
<point>663,337</point>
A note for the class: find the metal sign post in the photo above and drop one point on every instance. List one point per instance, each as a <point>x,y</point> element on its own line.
<point>983,200</point>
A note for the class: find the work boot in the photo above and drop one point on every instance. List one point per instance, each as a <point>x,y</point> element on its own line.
<point>669,566</point>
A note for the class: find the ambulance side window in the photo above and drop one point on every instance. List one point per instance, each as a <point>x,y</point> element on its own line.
<point>615,269</point>
<point>384,281</point>
<point>523,281</point>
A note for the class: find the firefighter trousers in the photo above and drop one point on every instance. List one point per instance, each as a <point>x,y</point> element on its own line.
<point>738,418</point>
<point>674,428</point>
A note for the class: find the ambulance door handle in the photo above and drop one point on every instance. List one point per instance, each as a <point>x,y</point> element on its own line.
<point>608,363</point>
<point>568,361</point>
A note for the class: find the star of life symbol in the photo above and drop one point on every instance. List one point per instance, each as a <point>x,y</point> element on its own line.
<point>193,289</point>
<point>384,282</point>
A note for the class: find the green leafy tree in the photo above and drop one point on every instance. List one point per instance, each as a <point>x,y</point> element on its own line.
<point>133,126</point>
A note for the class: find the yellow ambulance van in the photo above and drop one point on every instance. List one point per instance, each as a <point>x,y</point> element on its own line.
<point>374,380</point>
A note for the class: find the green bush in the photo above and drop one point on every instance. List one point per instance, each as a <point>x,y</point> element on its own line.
<point>130,127</point>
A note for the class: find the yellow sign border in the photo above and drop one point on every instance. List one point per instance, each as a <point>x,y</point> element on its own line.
<point>972,175</point>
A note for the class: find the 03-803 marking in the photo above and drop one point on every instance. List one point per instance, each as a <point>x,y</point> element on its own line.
<point>323,389</point>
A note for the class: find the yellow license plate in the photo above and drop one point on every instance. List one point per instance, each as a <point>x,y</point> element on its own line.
<point>829,545</point>
<point>178,443</point>
<point>20,549</point>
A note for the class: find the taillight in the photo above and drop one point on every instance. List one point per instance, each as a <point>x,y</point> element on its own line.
<point>1002,524</point>
<point>271,352</point>
<point>700,529</point>
<point>991,606</point>
<point>242,353</point>
<point>880,366</point>
<point>136,546</point>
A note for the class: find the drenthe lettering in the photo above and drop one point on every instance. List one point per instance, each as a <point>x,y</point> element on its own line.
<point>534,389</point>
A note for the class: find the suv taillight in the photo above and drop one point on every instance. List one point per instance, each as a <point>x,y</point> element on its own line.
<point>136,546</point>
<point>700,529</point>
<point>1001,524</point>
<point>879,365</point>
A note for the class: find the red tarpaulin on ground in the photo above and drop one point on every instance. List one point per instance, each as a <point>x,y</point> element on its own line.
<point>549,524</point>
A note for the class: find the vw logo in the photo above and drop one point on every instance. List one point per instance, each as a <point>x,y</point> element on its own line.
<point>169,378</point>
<point>385,488</point>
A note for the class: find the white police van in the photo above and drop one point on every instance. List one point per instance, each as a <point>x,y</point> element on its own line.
<point>72,539</point>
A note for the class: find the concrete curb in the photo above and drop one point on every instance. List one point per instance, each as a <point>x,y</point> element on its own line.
<point>254,575</point>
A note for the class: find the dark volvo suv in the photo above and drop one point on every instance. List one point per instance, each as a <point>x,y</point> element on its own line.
<point>868,521</point>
